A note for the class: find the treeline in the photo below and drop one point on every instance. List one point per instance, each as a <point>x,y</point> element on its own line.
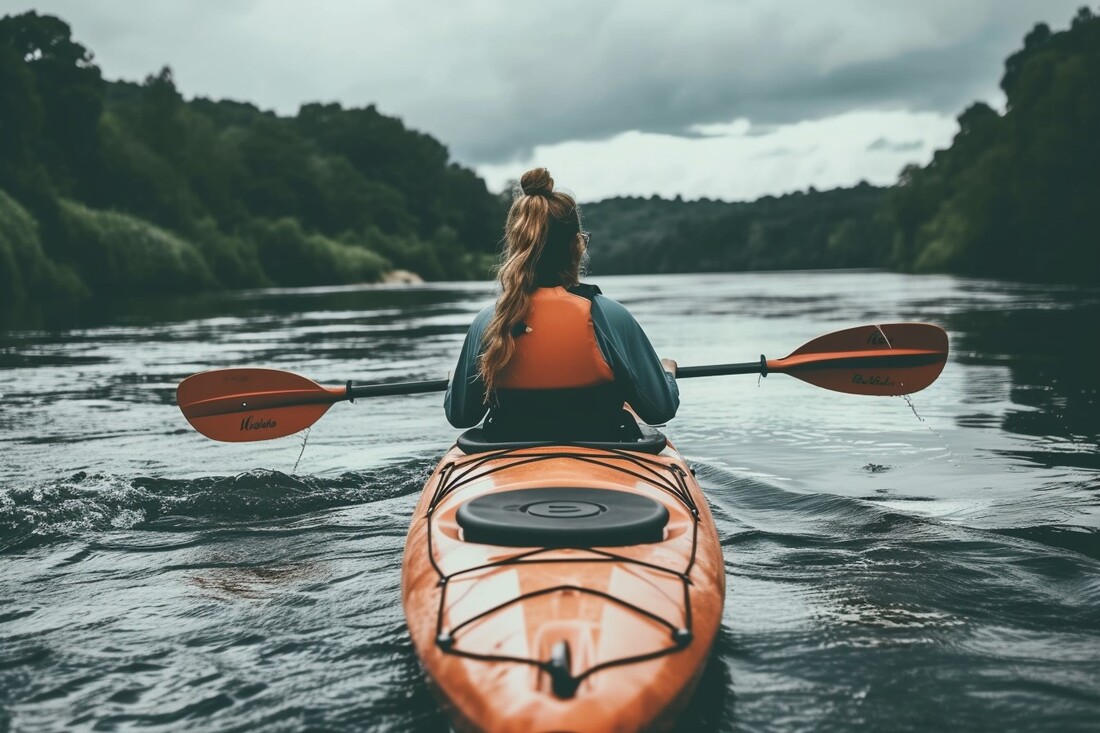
<point>123,188</point>
<point>798,231</point>
<point>1014,196</point>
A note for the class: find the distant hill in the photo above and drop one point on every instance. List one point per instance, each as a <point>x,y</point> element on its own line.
<point>816,229</point>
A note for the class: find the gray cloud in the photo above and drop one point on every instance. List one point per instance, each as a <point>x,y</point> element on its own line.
<point>494,79</point>
<point>785,150</point>
<point>895,147</point>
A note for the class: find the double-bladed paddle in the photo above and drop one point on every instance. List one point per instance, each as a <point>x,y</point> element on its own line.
<point>238,405</point>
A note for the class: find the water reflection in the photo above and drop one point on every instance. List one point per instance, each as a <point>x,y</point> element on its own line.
<point>1053,388</point>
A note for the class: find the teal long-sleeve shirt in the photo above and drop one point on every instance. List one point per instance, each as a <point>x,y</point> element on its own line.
<point>646,386</point>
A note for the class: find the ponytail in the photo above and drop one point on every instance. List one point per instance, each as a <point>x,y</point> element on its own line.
<point>542,247</point>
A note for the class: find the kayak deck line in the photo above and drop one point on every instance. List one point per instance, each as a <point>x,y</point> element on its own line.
<point>668,477</point>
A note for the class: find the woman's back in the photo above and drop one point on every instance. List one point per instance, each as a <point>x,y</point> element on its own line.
<point>554,359</point>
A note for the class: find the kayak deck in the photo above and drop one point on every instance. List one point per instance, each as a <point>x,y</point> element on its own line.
<point>565,638</point>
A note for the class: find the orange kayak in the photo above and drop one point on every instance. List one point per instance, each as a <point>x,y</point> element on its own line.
<point>563,587</point>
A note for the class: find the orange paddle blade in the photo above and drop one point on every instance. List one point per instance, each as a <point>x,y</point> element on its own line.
<point>238,405</point>
<point>889,359</point>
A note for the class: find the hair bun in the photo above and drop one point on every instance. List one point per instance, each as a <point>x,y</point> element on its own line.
<point>537,182</point>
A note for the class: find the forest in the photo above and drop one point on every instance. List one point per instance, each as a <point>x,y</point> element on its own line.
<point>121,188</point>
<point>127,189</point>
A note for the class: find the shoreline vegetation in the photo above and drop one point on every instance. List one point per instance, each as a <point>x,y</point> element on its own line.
<point>114,188</point>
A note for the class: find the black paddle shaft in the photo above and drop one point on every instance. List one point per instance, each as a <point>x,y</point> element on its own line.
<point>382,390</point>
<point>718,370</point>
<point>440,385</point>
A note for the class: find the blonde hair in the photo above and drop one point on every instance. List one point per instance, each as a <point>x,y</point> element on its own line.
<point>542,247</point>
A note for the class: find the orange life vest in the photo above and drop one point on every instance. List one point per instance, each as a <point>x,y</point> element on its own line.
<point>556,345</point>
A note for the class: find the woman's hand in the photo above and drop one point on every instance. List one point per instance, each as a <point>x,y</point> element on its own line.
<point>669,365</point>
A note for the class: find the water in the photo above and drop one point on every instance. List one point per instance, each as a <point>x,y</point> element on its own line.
<point>885,572</point>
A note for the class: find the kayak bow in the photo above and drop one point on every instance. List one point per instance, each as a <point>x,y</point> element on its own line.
<point>563,587</point>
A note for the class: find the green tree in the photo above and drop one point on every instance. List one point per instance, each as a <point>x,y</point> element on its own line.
<point>20,121</point>
<point>70,90</point>
<point>1013,196</point>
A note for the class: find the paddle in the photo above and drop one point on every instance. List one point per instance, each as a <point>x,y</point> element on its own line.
<point>238,405</point>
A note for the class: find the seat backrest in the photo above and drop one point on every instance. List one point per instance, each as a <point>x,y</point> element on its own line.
<point>652,441</point>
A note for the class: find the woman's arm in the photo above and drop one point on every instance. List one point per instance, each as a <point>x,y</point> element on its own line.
<point>649,389</point>
<point>465,400</point>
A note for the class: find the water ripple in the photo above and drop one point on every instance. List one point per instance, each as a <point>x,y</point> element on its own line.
<point>883,573</point>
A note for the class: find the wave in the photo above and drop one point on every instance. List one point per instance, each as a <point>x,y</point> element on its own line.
<point>86,504</point>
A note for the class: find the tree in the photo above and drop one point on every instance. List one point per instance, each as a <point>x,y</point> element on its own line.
<point>70,89</point>
<point>1014,194</point>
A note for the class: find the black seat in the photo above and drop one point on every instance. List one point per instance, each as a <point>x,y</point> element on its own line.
<point>563,517</point>
<point>653,441</point>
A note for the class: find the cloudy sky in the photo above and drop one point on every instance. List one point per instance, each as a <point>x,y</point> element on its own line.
<point>727,99</point>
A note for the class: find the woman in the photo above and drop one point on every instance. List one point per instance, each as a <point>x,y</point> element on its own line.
<point>554,359</point>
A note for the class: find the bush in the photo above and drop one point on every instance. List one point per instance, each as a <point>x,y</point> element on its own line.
<point>291,257</point>
<point>122,255</point>
<point>26,273</point>
<point>234,261</point>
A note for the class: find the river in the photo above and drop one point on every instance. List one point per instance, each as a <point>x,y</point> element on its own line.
<point>889,566</point>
